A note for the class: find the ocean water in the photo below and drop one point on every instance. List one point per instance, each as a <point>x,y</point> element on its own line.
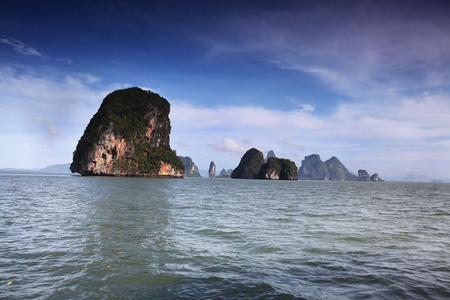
<point>73,237</point>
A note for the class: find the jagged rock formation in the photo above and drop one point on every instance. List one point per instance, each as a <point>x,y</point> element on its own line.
<point>313,168</point>
<point>212,170</point>
<point>128,136</point>
<point>225,173</point>
<point>249,165</point>
<point>269,154</point>
<point>278,168</point>
<point>190,167</point>
<point>363,175</point>
<point>338,172</point>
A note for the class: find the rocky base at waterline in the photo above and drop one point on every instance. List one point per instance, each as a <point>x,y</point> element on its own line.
<point>128,136</point>
<point>252,166</point>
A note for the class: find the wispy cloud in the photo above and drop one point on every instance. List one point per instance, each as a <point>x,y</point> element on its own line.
<point>52,131</point>
<point>367,49</point>
<point>21,48</point>
<point>28,50</point>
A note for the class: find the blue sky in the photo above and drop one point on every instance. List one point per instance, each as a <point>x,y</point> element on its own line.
<point>365,81</point>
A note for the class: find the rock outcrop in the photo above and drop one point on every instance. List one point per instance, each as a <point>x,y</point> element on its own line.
<point>252,166</point>
<point>363,175</point>
<point>375,178</point>
<point>338,172</point>
<point>249,165</point>
<point>191,170</point>
<point>225,173</point>
<point>278,169</point>
<point>212,170</point>
<point>313,168</point>
<point>128,136</point>
<point>269,154</point>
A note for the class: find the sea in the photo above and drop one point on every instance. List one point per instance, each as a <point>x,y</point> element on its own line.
<point>73,237</point>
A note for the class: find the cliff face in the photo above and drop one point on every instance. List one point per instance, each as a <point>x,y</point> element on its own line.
<point>313,168</point>
<point>363,175</point>
<point>270,154</point>
<point>189,166</point>
<point>338,172</point>
<point>212,170</point>
<point>128,136</point>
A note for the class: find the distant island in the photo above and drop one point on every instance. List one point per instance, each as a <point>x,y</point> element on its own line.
<point>253,166</point>
<point>128,136</point>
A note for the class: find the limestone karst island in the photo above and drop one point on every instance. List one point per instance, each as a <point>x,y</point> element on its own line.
<point>128,136</point>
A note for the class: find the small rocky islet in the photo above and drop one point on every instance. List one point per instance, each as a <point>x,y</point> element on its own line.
<point>130,136</point>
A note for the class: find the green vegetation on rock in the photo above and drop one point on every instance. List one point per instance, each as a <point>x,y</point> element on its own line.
<point>252,166</point>
<point>129,115</point>
<point>249,165</point>
<point>281,168</point>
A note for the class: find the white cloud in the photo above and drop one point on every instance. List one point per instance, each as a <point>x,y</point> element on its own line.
<point>228,145</point>
<point>363,51</point>
<point>47,113</point>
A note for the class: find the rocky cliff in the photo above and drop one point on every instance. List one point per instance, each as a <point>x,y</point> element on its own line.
<point>128,136</point>
<point>338,172</point>
<point>375,178</point>
<point>313,168</point>
<point>191,170</point>
<point>212,170</point>
<point>363,175</point>
<point>225,173</point>
<point>278,168</point>
<point>270,154</point>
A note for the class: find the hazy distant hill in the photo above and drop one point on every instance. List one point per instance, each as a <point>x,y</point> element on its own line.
<point>63,168</point>
<point>55,169</point>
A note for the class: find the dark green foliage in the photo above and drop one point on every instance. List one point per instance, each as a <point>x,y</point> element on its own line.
<point>249,165</point>
<point>147,159</point>
<point>272,164</point>
<point>285,168</point>
<point>288,170</point>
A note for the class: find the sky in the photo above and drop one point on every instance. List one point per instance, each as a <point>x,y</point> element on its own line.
<point>365,81</point>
